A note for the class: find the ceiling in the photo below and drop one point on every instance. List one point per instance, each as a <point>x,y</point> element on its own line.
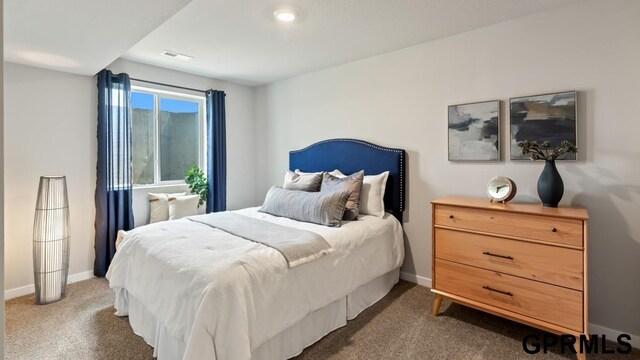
<point>239,40</point>
<point>79,36</point>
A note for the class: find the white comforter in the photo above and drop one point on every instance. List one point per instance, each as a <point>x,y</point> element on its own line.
<point>224,296</point>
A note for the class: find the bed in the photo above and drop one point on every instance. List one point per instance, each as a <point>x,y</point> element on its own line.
<point>196,292</point>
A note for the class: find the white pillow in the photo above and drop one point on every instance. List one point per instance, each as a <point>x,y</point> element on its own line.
<point>308,173</point>
<point>372,193</point>
<point>159,206</point>
<point>181,206</point>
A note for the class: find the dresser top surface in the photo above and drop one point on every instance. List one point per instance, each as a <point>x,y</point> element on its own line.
<point>534,209</point>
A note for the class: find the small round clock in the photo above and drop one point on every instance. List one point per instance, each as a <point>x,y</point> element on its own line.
<point>501,188</point>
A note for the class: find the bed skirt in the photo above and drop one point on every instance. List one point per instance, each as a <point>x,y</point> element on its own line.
<point>286,344</point>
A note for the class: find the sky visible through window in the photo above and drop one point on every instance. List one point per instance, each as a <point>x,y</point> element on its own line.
<point>145,101</point>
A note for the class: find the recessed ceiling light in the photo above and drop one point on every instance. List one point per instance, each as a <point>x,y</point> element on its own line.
<point>285,15</point>
<point>175,55</point>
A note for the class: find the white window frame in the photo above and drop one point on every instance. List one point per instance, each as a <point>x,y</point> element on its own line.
<point>202,132</point>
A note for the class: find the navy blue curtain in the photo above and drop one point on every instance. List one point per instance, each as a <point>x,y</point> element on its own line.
<point>113,184</point>
<point>216,152</point>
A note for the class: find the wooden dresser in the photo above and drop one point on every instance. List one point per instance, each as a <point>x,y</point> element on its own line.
<point>523,262</point>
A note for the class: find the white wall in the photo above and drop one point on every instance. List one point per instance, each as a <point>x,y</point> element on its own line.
<point>1,181</point>
<point>400,99</point>
<point>240,133</point>
<point>50,129</point>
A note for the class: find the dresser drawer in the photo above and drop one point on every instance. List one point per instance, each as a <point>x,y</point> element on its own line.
<point>558,230</point>
<point>556,305</point>
<point>551,264</point>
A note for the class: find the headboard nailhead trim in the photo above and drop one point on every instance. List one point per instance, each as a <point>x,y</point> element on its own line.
<point>401,180</point>
<point>401,152</point>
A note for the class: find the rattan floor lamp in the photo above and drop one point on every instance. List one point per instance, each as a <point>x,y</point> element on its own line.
<point>51,240</point>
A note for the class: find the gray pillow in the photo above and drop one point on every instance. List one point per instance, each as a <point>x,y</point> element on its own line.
<point>302,181</point>
<point>322,208</point>
<point>352,183</point>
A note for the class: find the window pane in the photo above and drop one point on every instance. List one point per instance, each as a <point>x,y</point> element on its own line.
<point>178,137</point>
<point>142,135</point>
<point>119,174</point>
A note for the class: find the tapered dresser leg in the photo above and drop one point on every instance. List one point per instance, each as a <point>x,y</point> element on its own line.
<point>579,356</point>
<point>436,304</point>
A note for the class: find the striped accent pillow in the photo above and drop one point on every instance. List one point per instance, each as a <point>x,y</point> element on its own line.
<point>324,208</point>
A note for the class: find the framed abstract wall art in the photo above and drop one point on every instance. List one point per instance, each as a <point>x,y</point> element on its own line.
<point>546,117</point>
<point>474,131</point>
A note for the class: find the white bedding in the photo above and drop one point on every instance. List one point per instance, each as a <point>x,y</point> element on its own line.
<point>224,296</point>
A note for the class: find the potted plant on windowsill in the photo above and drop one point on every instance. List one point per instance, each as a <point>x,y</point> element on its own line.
<point>198,183</point>
<point>550,185</point>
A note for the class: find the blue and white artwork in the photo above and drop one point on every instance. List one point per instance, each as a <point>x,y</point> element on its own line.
<point>474,131</point>
<point>545,117</point>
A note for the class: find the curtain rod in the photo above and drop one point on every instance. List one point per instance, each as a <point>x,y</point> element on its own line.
<point>173,86</point>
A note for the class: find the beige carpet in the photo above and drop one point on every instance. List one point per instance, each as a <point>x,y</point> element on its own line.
<point>400,326</point>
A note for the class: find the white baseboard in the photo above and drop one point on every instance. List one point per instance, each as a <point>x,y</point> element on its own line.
<point>611,334</point>
<point>30,289</point>
<point>420,280</point>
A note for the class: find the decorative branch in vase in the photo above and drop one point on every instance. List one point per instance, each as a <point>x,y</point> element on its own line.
<point>545,151</point>
<point>550,185</point>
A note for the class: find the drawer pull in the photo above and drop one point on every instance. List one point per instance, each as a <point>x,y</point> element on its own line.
<point>498,291</point>
<point>554,230</point>
<point>450,216</point>
<point>496,255</point>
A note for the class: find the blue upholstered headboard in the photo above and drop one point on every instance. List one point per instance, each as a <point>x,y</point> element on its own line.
<point>351,155</point>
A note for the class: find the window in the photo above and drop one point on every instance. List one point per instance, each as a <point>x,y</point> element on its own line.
<point>167,135</point>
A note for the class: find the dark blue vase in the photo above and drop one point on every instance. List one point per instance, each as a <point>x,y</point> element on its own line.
<point>550,185</point>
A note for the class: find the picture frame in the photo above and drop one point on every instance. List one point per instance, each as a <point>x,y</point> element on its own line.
<point>474,131</point>
<point>549,117</point>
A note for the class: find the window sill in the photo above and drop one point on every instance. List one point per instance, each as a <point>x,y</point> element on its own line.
<point>160,186</point>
